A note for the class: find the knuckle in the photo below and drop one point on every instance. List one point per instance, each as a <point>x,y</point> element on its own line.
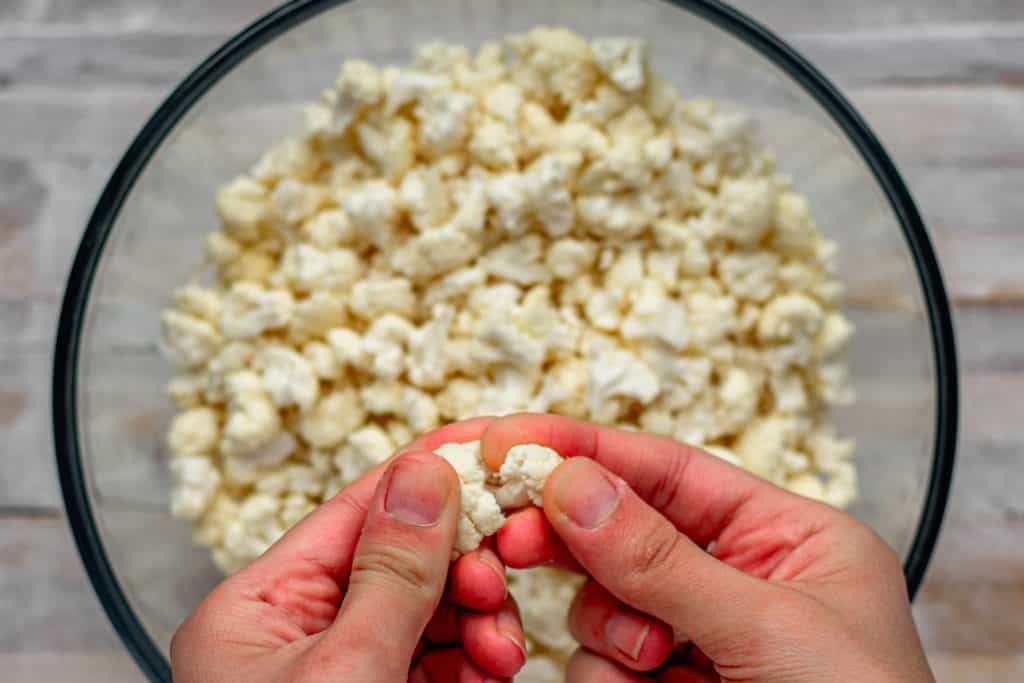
<point>654,553</point>
<point>665,489</point>
<point>394,566</point>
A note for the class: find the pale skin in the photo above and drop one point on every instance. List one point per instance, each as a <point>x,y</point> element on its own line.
<point>697,572</point>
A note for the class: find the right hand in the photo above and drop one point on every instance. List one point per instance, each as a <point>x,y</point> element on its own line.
<point>758,584</point>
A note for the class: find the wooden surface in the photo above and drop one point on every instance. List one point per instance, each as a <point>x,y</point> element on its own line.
<point>941,82</point>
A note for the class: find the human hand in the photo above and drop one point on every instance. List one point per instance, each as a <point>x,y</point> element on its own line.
<point>354,592</point>
<point>681,547</point>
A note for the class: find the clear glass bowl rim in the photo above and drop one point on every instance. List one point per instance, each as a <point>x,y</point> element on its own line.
<point>69,332</point>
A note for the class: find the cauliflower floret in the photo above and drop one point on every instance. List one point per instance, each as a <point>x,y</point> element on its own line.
<point>293,201</point>
<point>194,432</point>
<point>458,399</point>
<point>746,209</point>
<point>364,449</point>
<point>623,61</point>
<point>655,315</point>
<point>518,261</point>
<point>186,340</point>
<point>315,315</point>
<point>373,298</point>
<point>553,64</point>
<point>328,229</point>
<point>337,415</point>
<point>523,474</point>
<point>244,206</point>
<point>389,144</point>
<point>321,358</point>
<point>567,258</point>
<point>252,420</point>
<point>249,310</point>
<point>495,144</point>
<point>444,122</point>
<point>196,482</point>
<point>749,275</point>
<point>419,410</point>
<point>288,378</point>
<point>309,268</point>
<point>617,373</point>
<point>790,317</point>
<point>795,231</point>
<point>200,302</point>
<point>373,209</point>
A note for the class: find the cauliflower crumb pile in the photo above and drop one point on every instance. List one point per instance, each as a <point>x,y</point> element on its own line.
<point>545,225</point>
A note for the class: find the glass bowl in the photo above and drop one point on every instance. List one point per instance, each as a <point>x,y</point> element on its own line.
<point>146,236</point>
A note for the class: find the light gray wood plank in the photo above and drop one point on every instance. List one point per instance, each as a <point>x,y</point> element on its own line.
<point>42,581</point>
<point>971,53</point>
<point>782,15</point>
<point>46,54</point>
<point>67,55</point>
<point>23,10</point>
<point>967,668</point>
<point>70,667</point>
<point>791,16</point>
<point>28,475</point>
<point>953,126</point>
<point>971,617</point>
<point>150,13</point>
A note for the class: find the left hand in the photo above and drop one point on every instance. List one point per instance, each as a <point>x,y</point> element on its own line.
<point>354,592</point>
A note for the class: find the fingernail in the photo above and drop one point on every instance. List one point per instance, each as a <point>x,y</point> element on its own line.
<point>584,494</point>
<point>418,491</point>
<point>509,627</point>
<point>627,634</point>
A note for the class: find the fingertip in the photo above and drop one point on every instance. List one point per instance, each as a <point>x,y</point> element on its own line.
<point>495,640</point>
<point>527,540</point>
<point>478,581</point>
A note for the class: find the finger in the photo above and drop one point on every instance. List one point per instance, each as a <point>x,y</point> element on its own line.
<point>477,580</point>
<point>640,557</point>
<point>527,540</point>
<point>687,674</point>
<point>587,667</point>
<point>326,537</point>
<point>443,628</point>
<point>700,493</point>
<point>448,666</point>
<point>495,640</point>
<point>456,432</point>
<point>400,564</point>
<point>604,625</point>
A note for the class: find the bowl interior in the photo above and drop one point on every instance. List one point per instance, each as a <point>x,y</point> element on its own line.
<point>156,243</point>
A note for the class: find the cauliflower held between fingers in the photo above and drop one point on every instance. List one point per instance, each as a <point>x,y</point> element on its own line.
<point>485,494</point>
<point>546,225</point>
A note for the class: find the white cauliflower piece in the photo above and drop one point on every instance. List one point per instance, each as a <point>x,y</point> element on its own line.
<point>373,298</point>
<point>288,378</point>
<point>196,482</point>
<point>523,474</point>
<point>186,340</point>
<point>623,61</point>
<point>364,449</point>
<point>252,420</point>
<point>309,268</point>
<point>194,432</point>
<point>244,207</point>
<point>249,310</point>
<point>293,201</point>
<point>334,417</point>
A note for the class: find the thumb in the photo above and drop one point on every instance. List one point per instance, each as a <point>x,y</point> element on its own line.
<point>642,559</point>
<point>399,568</point>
